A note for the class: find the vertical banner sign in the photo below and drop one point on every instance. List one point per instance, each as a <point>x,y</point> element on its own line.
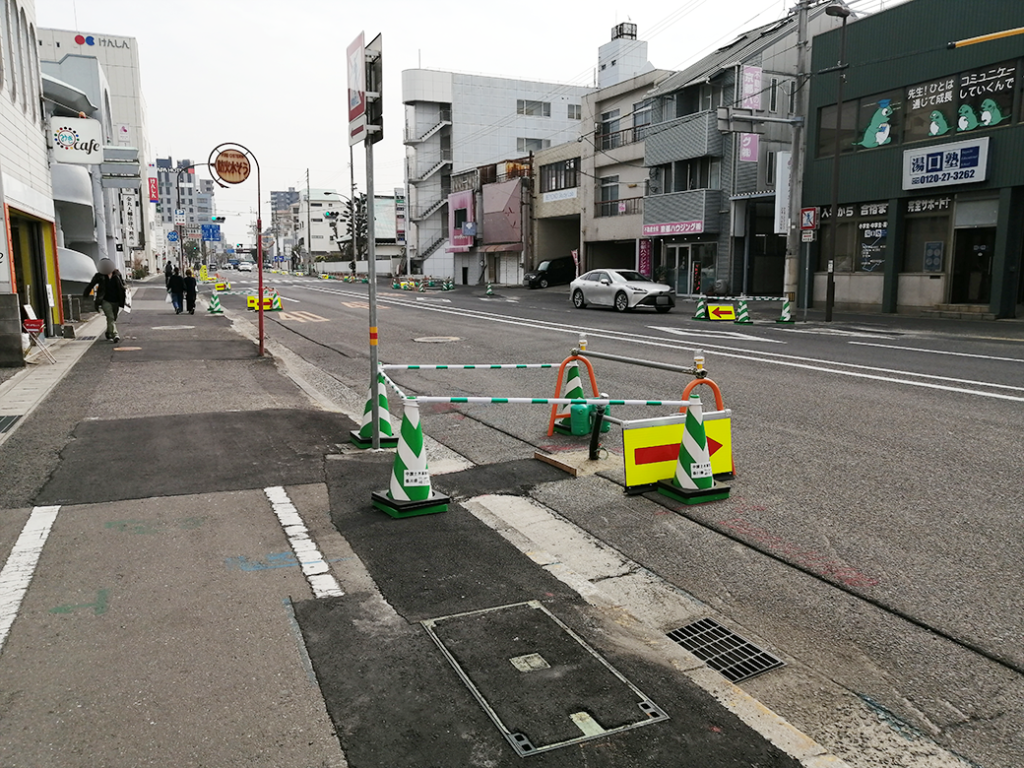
<point>749,144</point>
<point>357,90</point>
<point>154,190</point>
<point>783,171</point>
<point>751,88</point>
<point>644,258</point>
<point>576,260</point>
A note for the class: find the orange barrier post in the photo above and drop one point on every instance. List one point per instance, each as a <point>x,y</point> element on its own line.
<point>558,387</point>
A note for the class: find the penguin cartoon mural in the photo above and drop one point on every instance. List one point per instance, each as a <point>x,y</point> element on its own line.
<point>878,131</point>
<point>938,125</point>
<point>968,121</point>
<point>990,113</point>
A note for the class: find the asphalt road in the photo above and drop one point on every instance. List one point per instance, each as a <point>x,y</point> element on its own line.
<point>872,535</point>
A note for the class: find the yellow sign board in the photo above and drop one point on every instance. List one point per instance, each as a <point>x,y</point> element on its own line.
<point>651,447</point>
<point>721,312</point>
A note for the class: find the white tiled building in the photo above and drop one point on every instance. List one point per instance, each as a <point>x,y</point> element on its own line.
<point>456,122</point>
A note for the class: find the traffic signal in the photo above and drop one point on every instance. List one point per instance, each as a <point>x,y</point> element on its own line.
<point>217,219</point>
<point>328,215</point>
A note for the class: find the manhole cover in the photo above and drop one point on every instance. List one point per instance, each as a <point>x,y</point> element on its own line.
<point>436,339</point>
<point>532,674</point>
<point>723,650</point>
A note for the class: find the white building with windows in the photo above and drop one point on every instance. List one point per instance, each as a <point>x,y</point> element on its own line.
<point>456,122</point>
<point>119,59</point>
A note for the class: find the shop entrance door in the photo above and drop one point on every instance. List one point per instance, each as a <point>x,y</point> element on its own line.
<point>972,266</point>
<point>679,264</point>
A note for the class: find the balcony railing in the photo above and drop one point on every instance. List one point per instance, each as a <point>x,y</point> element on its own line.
<point>621,138</point>
<point>629,206</point>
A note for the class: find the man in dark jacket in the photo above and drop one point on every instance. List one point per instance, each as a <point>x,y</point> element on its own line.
<point>176,286</point>
<point>191,291</point>
<point>111,294</point>
<point>167,274</point>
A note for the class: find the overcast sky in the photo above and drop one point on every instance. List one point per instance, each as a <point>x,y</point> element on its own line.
<point>270,74</point>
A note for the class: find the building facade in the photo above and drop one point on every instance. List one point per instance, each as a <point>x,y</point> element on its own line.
<point>29,272</point>
<point>119,59</point>
<point>457,122</point>
<point>930,162</point>
<point>710,216</point>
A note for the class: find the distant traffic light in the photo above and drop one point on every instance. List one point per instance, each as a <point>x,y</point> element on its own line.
<point>330,215</point>
<point>217,218</point>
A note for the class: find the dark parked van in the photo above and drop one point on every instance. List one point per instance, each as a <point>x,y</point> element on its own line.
<point>560,271</point>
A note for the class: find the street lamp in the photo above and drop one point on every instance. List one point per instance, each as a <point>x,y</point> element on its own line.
<point>837,10</point>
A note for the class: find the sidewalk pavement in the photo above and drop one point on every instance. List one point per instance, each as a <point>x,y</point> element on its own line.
<point>224,488</point>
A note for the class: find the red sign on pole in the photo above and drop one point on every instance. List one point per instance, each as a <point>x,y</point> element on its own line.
<point>357,90</point>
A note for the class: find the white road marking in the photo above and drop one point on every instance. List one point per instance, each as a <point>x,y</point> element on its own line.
<point>21,565</point>
<point>939,352</point>
<point>709,334</point>
<point>314,566</point>
<point>751,355</point>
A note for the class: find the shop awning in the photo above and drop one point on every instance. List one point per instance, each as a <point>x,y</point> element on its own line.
<point>502,248</point>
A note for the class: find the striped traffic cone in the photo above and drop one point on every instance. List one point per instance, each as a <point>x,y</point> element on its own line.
<point>743,315</point>
<point>702,310</point>
<point>573,389</point>
<point>364,437</point>
<point>693,482</point>
<point>410,493</point>
<point>215,308</point>
<point>490,290</point>
<point>787,312</point>
<point>275,304</point>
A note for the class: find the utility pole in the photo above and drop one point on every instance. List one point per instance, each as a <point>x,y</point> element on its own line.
<point>309,229</point>
<point>791,274</point>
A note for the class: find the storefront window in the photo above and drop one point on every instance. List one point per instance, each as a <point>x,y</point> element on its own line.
<point>877,120</point>
<point>928,234</point>
<point>929,110</point>
<point>985,97</point>
<point>863,234</point>
<point>827,129</point>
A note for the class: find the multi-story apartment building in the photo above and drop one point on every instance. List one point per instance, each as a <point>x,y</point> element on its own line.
<point>119,59</point>
<point>709,215</point>
<point>617,118</point>
<point>458,122</point>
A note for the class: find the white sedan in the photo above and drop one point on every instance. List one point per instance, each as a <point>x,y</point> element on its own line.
<point>245,266</point>
<point>623,289</point>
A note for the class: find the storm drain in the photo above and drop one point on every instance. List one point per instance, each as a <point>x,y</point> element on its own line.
<point>538,681</point>
<point>723,650</point>
<point>86,338</point>
<point>6,422</point>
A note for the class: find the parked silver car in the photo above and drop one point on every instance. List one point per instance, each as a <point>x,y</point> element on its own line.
<point>620,288</point>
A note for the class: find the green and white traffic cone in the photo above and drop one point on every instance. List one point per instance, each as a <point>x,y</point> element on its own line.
<point>364,437</point>
<point>490,290</point>
<point>693,482</point>
<point>409,492</point>
<point>702,309</point>
<point>275,304</point>
<point>573,389</point>
<point>743,315</point>
<point>215,308</point>
<point>423,286</point>
<point>787,312</point>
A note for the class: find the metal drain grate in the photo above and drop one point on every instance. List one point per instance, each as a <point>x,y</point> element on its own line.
<point>6,422</point>
<point>86,338</point>
<point>723,650</point>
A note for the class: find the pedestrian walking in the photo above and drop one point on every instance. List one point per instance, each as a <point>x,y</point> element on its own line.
<point>176,287</point>
<point>111,295</point>
<point>190,291</point>
<point>167,274</point>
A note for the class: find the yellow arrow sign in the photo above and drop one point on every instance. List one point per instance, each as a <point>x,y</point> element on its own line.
<point>721,312</point>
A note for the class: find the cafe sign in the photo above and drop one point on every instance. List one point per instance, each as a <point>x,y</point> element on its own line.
<point>231,166</point>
